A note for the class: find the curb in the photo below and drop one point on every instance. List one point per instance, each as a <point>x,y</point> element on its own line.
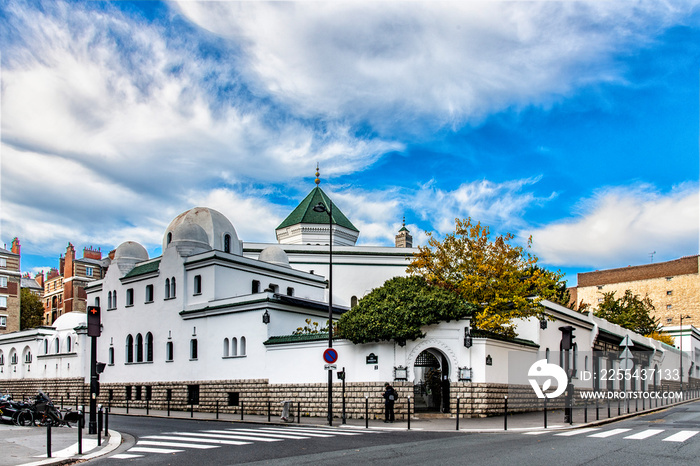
<point>115,440</point>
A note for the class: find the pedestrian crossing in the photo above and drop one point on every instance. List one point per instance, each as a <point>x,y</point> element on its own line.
<point>177,442</point>
<point>598,432</point>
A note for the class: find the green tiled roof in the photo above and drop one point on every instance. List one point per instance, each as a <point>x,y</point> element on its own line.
<point>478,333</point>
<point>143,269</point>
<point>297,338</point>
<point>304,212</point>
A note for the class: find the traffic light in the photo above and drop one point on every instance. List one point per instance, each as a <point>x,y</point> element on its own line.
<point>567,337</point>
<point>94,321</point>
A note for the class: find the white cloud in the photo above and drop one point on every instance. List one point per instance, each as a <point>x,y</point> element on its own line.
<point>622,226</point>
<point>391,62</point>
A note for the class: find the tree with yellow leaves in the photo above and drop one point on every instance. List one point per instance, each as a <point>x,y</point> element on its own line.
<point>501,280</point>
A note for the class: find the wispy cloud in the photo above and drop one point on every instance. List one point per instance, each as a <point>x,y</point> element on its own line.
<point>622,226</point>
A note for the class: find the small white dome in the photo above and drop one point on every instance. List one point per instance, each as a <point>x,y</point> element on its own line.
<point>70,320</point>
<point>274,255</point>
<point>219,231</point>
<point>131,250</point>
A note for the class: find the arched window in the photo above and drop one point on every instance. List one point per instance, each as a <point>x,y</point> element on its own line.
<point>129,349</point>
<point>139,348</point>
<point>256,287</point>
<point>97,301</point>
<point>225,347</point>
<point>56,346</point>
<point>111,355</point>
<point>290,291</point>
<point>2,359</point>
<point>170,238</point>
<point>234,346</point>
<point>242,346</point>
<point>114,299</point>
<point>69,344</point>
<point>167,288</point>
<point>46,346</point>
<point>227,243</point>
<point>149,347</point>
<point>353,301</point>
<point>172,287</point>
<point>109,300</point>
<point>546,354</point>
<point>169,351</point>
<point>28,357</point>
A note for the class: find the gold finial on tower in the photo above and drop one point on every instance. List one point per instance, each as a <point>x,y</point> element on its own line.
<point>317,180</point>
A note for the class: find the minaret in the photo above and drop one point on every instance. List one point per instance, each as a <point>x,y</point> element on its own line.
<point>404,238</point>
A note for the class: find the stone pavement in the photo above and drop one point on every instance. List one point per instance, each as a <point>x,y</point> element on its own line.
<point>27,445</point>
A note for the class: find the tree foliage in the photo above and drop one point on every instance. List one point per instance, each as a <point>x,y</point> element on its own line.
<point>31,310</point>
<point>398,309</point>
<point>500,279</point>
<point>630,311</point>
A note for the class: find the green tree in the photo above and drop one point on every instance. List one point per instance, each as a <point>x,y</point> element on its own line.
<point>630,311</point>
<point>31,310</point>
<point>398,309</point>
<point>501,280</point>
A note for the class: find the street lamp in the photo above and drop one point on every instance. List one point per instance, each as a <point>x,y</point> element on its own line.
<point>321,207</point>
<point>681,337</point>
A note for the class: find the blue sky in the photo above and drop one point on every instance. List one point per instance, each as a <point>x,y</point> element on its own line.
<point>575,123</point>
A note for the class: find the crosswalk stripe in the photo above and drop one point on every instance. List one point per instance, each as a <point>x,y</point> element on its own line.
<point>609,433</point>
<point>158,443</point>
<point>182,438</point>
<point>681,436</point>
<point>125,456</point>
<point>320,431</point>
<point>536,432</point>
<point>310,434</point>
<point>577,432</point>
<point>153,450</point>
<point>644,434</point>
<point>230,435</point>
<point>274,434</point>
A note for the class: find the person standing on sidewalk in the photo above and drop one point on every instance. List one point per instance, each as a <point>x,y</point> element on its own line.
<point>390,396</point>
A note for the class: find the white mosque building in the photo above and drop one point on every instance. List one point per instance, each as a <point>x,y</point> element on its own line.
<point>211,322</point>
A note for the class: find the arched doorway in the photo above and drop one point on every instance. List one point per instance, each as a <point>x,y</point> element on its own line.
<point>431,387</point>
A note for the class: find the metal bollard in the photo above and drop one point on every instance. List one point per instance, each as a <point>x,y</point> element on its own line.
<point>191,409</point>
<point>597,416</point>
<point>241,410</point>
<point>269,413</point>
<point>106,422</point>
<point>457,428</point>
<point>127,406</point>
<point>298,412</point>
<point>147,407</point>
<point>48,440</point>
<point>618,407</point>
<point>585,411</point>
<point>366,412</point>
<point>636,405</point>
<point>545,412</point>
<point>168,408</point>
<point>99,427</point>
<point>608,409</point>
<point>409,412</point>
<point>80,434</point>
<point>217,409</point>
<point>505,418</point>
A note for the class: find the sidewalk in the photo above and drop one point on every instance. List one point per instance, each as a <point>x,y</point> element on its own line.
<point>27,445</point>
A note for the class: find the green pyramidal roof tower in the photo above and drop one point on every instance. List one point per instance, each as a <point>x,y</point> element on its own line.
<point>306,226</point>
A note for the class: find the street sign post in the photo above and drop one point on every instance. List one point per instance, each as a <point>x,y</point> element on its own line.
<point>330,355</point>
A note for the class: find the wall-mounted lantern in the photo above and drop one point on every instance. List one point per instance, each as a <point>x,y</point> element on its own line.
<point>543,323</point>
<point>489,361</point>
<point>400,373</point>
<point>465,374</point>
<point>266,317</point>
<point>467,338</point>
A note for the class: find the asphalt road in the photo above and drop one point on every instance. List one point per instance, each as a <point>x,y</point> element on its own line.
<point>669,437</point>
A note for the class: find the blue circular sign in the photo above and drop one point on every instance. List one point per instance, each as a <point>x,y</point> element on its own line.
<point>330,355</point>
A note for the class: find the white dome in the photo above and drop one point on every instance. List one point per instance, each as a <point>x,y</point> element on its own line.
<point>274,255</point>
<point>70,320</point>
<point>131,250</point>
<point>218,230</point>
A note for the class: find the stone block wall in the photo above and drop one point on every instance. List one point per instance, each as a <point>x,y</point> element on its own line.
<point>68,389</point>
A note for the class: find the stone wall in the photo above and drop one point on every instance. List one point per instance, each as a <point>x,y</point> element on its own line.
<point>476,399</point>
